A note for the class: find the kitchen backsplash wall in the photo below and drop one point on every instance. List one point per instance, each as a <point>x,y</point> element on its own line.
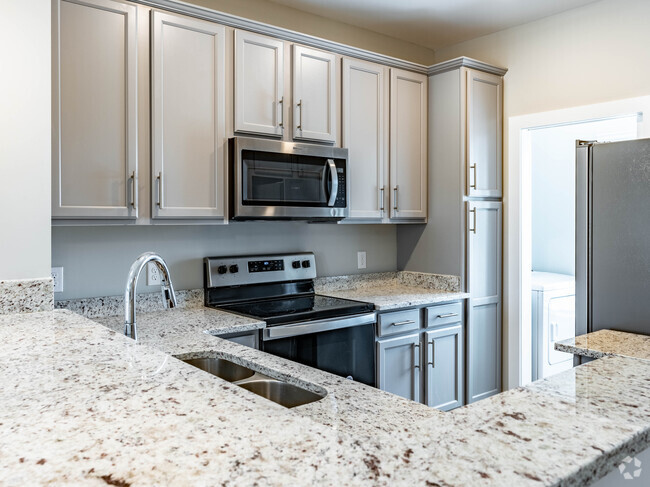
<point>96,260</point>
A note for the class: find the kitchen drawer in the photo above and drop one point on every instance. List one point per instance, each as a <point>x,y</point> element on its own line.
<point>398,322</point>
<point>444,314</point>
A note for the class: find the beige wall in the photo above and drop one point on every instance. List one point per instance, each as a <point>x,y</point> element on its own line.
<point>288,18</point>
<point>25,126</point>
<point>596,53</point>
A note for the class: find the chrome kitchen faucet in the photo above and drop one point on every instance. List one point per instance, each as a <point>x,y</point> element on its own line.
<point>169,297</point>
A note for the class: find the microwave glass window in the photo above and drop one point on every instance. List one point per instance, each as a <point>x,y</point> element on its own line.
<point>285,179</point>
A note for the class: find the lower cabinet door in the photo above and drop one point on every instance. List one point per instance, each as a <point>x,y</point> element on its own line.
<point>444,367</point>
<point>398,366</point>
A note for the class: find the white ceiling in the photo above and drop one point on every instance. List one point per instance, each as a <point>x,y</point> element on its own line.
<point>434,23</point>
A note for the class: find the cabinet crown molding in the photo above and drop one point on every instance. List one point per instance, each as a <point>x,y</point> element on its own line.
<point>466,62</point>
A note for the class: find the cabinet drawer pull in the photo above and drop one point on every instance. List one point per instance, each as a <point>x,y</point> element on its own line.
<point>300,115</point>
<point>134,190</point>
<point>281,106</point>
<point>447,315</point>
<point>416,360</point>
<point>402,323</point>
<point>473,168</point>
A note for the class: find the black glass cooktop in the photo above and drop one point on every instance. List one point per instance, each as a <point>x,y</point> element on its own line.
<point>294,309</point>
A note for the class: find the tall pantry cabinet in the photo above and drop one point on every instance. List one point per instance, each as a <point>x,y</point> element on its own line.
<point>465,158</point>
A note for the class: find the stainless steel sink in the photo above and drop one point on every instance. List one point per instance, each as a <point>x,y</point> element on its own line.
<point>283,393</point>
<point>223,368</point>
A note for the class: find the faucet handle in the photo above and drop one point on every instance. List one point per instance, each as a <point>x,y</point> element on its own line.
<point>169,297</point>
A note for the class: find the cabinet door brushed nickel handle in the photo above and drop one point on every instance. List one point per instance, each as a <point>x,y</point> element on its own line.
<point>299,127</point>
<point>473,212</point>
<point>381,198</point>
<point>160,190</point>
<point>473,168</point>
<point>416,361</point>
<point>134,190</point>
<point>402,323</point>
<point>447,315</point>
<point>433,356</point>
<point>281,106</point>
<point>395,197</point>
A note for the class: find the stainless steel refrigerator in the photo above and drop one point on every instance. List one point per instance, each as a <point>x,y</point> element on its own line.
<point>613,236</point>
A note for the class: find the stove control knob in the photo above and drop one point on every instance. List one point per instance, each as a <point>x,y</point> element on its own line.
<point>234,268</point>
<point>295,264</point>
<point>306,264</point>
<point>222,269</point>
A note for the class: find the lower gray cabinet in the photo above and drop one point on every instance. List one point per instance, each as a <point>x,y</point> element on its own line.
<point>398,366</point>
<point>444,367</point>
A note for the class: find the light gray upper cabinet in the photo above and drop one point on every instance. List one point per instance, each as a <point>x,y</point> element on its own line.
<point>365,123</point>
<point>444,367</point>
<point>398,366</point>
<point>484,278</point>
<point>188,118</point>
<point>408,145</point>
<point>484,138</point>
<point>259,84</point>
<point>94,118</point>
<point>315,111</point>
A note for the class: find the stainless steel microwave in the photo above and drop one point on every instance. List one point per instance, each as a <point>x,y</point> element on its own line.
<point>275,180</point>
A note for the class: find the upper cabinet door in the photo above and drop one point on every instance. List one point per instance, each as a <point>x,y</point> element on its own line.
<point>94,122</point>
<point>259,84</point>
<point>314,94</point>
<point>484,126</point>
<point>365,135</point>
<point>408,145</point>
<point>188,117</point>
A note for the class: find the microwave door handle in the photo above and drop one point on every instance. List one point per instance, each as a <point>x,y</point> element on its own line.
<point>334,179</point>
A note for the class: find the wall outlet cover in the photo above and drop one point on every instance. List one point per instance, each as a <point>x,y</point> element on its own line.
<point>361,259</point>
<point>153,274</point>
<point>57,277</point>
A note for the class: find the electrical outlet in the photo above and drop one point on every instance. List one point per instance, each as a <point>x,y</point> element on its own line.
<point>361,260</point>
<point>57,277</point>
<point>153,274</point>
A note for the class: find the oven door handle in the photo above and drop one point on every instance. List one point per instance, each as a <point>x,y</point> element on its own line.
<point>334,180</point>
<point>308,327</point>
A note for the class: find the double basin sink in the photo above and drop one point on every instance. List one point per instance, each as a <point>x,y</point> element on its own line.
<point>280,392</point>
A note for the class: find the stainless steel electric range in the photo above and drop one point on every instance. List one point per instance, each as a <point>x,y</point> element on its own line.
<point>331,334</point>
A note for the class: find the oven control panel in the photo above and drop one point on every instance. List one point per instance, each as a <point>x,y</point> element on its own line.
<point>258,269</point>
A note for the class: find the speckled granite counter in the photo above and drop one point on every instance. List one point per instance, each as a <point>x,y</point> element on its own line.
<point>393,290</point>
<point>84,405</point>
<point>607,342</point>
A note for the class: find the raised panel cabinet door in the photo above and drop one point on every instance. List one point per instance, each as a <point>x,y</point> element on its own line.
<point>408,145</point>
<point>484,134</point>
<point>314,94</point>
<point>398,366</point>
<point>259,84</point>
<point>444,367</point>
<point>188,118</point>
<point>365,135</point>
<point>94,120</point>
<point>484,277</point>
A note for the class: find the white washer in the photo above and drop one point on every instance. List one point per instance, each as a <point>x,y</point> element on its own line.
<point>553,300</point>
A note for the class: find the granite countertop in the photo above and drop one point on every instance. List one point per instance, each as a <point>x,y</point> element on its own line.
<point>607,342</point>
<point>393,290</point>
<point>85,405</point>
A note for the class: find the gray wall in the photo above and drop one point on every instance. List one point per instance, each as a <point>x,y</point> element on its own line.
<point>96,260</point>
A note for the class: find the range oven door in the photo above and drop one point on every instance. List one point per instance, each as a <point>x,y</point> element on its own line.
<point>347,351</point>
<point>284,180</point>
